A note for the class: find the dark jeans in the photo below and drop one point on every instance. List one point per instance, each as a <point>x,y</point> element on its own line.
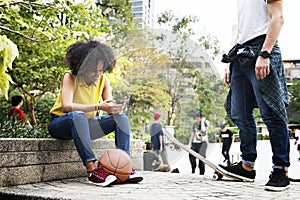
<point>75,125</point>
<point>201,149</point>
<point>245,92</point>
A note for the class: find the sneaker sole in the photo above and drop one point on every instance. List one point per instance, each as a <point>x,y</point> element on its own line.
<point>276,189</point>
<point>109,180</point>
<point>134,179</point>
<point>242,178</point>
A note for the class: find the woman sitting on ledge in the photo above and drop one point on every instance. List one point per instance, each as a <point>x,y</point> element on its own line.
<point>85,90</point>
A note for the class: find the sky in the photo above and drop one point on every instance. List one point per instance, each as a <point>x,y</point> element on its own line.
<point>217,18</point>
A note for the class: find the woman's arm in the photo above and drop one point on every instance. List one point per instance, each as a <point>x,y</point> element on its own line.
<point>107,94</point>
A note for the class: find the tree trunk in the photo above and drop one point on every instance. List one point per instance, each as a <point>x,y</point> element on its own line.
<point>32,115</point>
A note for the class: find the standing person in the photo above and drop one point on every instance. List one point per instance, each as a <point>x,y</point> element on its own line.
<point>198,142</point>
<point>256,79</point>
<point>226,138</point>
<point>157,139</point>
<point>85,90</point>
<point>297,142</point>
<point>16,111</point>
<point>151,159</point>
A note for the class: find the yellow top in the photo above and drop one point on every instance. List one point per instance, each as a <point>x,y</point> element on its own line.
<point>83,94</point>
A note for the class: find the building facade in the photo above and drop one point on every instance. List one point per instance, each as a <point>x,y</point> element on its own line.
<point>143,11</point>
<point>292,70</point>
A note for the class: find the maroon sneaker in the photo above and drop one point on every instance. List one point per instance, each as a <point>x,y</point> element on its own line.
<point>99,177</point>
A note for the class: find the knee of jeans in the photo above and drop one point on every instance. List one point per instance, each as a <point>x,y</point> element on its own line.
<point>77,115</point>
<point>236,115</point>
<point>121,119</point>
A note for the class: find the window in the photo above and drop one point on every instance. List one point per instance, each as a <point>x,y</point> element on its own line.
<point>137,9</point>
<point>137,3</point>
<point>137,15</point>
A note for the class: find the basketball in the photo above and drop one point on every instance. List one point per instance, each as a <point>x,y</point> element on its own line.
<point>116,162</point>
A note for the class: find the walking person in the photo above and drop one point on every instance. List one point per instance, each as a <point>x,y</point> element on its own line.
<point>226,138</point>
<point>256,79</point>
<point>198,142</point>
<point>157,139</point>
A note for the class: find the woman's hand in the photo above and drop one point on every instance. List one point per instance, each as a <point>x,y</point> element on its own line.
<point>109,107</point>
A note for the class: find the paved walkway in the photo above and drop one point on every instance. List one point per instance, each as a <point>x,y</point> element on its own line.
<point>263,164</point>
<point>167,186</point>
<point>156,185</point>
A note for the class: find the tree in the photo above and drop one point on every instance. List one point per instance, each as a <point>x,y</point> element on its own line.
<point>8,52</point>
<point>42,32</point>
<point>119,13</point>
<point>186,55</point>
<point>137,77</point>
<point>294,107</point>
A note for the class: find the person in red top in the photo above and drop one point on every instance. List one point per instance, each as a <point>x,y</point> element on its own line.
<point>16,111</point>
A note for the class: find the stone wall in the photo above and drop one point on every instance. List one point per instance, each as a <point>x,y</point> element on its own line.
<point>25,161</point>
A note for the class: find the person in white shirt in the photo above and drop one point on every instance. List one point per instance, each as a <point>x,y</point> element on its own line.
<point>256,79</point>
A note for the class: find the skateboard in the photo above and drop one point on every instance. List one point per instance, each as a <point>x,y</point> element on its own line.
<point>219,171</point>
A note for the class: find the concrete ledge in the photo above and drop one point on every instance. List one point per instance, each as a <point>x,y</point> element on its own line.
<point>36,160</point>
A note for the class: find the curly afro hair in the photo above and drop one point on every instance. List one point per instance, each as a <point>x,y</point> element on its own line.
<point>84,56</point>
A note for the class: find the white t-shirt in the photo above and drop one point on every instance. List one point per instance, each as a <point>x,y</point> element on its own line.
<point>253,19</point>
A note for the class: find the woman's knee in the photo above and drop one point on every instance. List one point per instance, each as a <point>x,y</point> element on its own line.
<point>121,118</point>
<point>78,116</point>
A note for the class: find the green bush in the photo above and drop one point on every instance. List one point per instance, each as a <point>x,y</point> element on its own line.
<point>11,129</point>
<point>42,110</point>
<point>183,135</point>
<point>260,136</point>
<point>17,129</point>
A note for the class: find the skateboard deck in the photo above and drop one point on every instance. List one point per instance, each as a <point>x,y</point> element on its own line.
<point>219,171</point>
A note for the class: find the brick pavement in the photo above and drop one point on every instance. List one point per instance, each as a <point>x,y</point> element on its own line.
<point>156,185</point>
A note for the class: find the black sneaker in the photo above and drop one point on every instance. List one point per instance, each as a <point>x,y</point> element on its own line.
<point>134,178</point>
<point>278,181</point>
<point>238,169</point>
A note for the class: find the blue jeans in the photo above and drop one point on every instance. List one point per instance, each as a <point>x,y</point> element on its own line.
<point>75,125</point>
<point>245,90</point>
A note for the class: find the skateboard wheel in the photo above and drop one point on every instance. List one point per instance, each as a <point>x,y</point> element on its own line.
<point>215,177</point>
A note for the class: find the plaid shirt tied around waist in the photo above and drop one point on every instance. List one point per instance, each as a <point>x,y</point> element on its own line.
<point>273,87</point>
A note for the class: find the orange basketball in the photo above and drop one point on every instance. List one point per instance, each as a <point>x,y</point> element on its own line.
<point>116,162</point>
